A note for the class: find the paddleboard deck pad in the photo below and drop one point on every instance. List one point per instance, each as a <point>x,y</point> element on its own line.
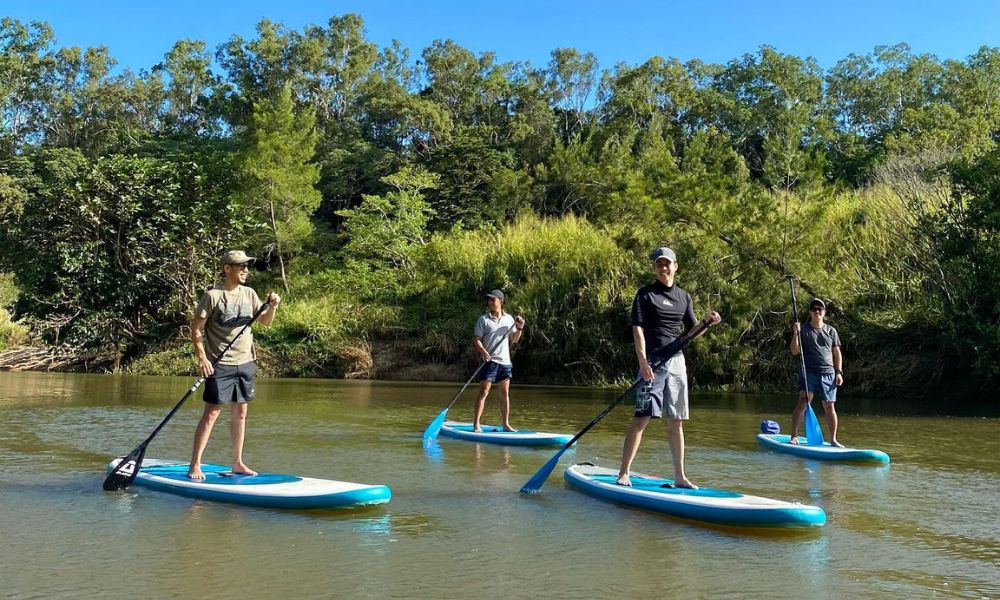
<point>719,507</point>
<point>492,434</point>
<point>779,443</point>
<point>269,490</point>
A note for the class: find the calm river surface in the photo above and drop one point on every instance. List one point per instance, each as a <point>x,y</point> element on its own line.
<point>926,526</point>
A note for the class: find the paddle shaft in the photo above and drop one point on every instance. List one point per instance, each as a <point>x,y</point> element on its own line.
<point>140,450</point>
<point>798,334</point>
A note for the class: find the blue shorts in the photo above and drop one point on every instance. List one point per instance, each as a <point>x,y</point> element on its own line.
<point>230,383</point>
<point>495,372</point>
<point>821,385</point>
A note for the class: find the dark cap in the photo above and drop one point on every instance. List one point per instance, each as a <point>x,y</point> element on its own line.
<point>659,253</point>
<point>816,301</point>
<point>496,294</point>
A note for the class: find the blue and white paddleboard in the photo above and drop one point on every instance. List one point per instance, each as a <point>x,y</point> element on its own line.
<point>492,434</point>
<point>779,443</point>
<point>269,490</point>
<point>704,504</point>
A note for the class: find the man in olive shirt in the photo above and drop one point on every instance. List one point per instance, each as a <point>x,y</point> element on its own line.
<point>221,314</point>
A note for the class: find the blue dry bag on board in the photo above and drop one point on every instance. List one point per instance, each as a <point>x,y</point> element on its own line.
<point>769,426</point>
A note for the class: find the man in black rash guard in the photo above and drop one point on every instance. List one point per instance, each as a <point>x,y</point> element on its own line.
<point>659,312</point>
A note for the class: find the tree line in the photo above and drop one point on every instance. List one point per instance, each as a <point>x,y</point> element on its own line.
<point>386,191</point>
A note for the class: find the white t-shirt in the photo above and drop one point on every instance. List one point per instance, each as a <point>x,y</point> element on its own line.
<point>492,331</point>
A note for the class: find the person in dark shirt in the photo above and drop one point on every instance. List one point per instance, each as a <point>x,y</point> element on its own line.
<point>824,367</point>
<point>659,313</point>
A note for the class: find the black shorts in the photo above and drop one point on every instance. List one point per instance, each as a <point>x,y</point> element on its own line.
<point>230,383</point>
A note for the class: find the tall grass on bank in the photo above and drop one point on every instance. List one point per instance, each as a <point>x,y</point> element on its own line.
<point>568,277</point>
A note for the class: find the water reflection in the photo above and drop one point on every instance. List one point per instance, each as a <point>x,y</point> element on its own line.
<point>433,451</point>
<point>918,528</point>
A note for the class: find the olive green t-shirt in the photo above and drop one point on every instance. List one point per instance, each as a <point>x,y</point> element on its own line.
<point>226,313</point>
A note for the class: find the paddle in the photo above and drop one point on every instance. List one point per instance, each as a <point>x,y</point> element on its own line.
<point>814,435</point>
<point>535,483</point>
<point>122,476</point>
<point>432,431</point>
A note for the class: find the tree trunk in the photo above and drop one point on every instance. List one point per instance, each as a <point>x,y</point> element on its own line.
<point>277,245</point>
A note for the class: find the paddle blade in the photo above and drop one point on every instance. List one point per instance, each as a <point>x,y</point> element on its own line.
<point>124,472</point>
<point>814,435</point>
<point>432,431</point>
<point>534,485</point>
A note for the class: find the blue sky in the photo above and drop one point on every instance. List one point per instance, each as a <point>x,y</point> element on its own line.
<point>138,32</point>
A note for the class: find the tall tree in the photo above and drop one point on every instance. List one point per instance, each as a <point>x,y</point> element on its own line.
<point>281,176</point>
<point>25,70</point>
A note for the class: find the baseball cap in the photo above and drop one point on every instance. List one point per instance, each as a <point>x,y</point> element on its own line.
<point>663,253</point>
<point>236,257</point>
<point>816,301</point>
<point>496,294</point>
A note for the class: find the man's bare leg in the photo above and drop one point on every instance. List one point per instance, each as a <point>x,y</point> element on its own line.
<point>832,421</point>
<point>798,415</point>
<point>632,440</point>
<point>505,404</point>
<point>677,450</point>
<point>201,435</point>
<point>484,390</point>
<point>238,428</point>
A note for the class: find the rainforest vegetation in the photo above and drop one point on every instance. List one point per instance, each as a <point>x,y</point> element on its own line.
<point>386,189</point>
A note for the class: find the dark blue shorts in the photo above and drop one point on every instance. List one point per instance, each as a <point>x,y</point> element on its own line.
<point>822,386</point>
<point>495,372</point>
<point>230,383</point>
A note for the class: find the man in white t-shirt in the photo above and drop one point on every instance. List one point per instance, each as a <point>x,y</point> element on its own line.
<point>490,338</point>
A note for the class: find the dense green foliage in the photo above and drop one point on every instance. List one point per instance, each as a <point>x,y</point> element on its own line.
<point>389,193</point>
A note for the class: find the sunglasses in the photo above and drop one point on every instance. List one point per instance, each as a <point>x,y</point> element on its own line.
<point>243,266</point>
<point>816,308</point>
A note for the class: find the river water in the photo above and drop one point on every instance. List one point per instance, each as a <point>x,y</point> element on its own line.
<point>925,526</point>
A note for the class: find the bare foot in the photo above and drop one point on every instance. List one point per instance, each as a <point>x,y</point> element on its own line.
<point>509,429</point>
<point>242,469</point>
<point>793,440</point>
<point>194,472</point>
<point>624,480</point>
<point>477,430</point>
<point>836,443</point>
<point>684,482</point>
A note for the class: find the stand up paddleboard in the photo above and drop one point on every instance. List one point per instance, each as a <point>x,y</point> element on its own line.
<point>779,443</point>
<point>492,434</point>
<point>268,490</point>
<point>704,504</point>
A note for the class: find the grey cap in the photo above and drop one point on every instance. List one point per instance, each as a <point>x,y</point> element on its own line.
<point>236,257</point>
<point>662,253</point>
<point>496,294</point>
<point>816,301</point>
